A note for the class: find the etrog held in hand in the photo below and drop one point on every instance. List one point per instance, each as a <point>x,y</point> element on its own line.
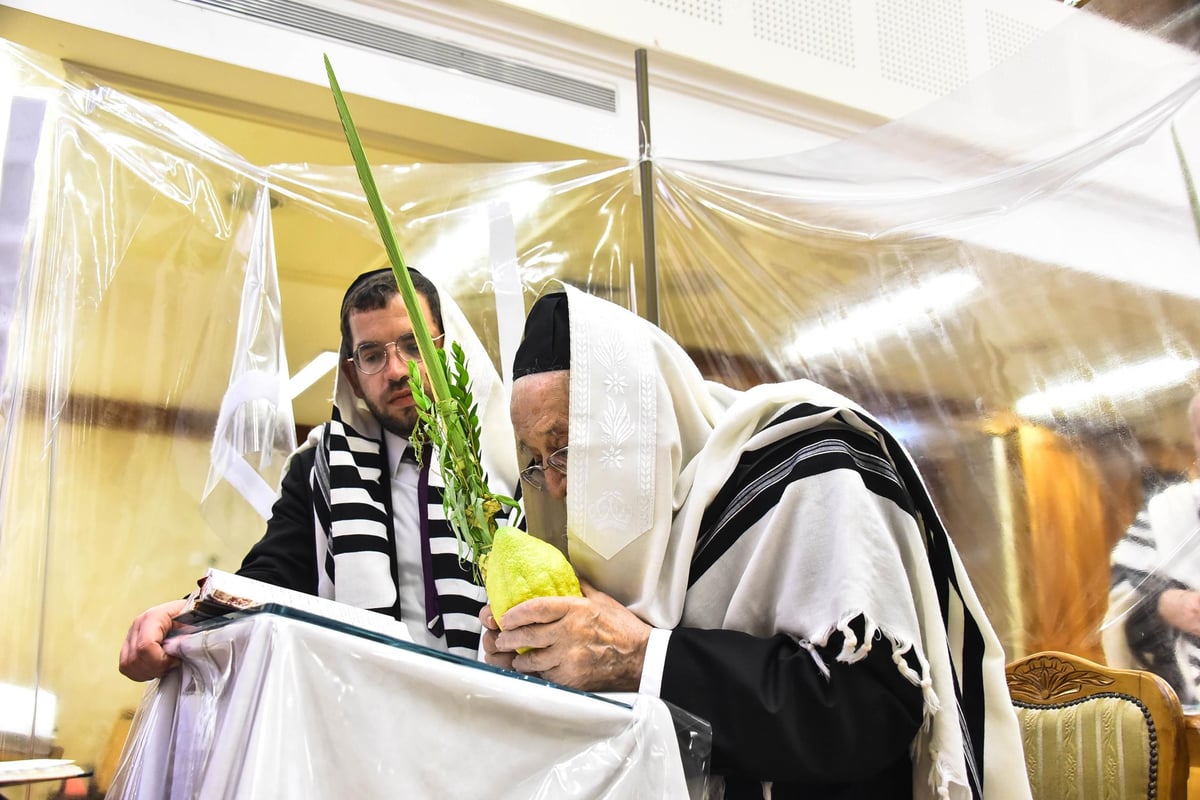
<point>520,567</point>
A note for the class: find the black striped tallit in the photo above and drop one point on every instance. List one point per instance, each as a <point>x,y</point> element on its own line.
<point>757,484</point>
<point>351,489</point>
<point>1138,569</point>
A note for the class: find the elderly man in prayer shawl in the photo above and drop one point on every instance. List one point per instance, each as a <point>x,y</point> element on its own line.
<point>358,519</point>
<point>768,560</point>
<point>1154,603</point>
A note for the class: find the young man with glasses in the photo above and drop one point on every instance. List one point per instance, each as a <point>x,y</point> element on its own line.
<point>359,516</point>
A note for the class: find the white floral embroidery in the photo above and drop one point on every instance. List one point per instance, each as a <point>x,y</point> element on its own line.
<point>612,457</point>
<point>616,425</point>
<point>609,352</point>
<point>645,458</point>
<point>610,510</point>
<point>613,409</point>
<point>614,384</point>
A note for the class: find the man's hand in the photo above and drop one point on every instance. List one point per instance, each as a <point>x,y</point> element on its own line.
<point>1180,608</point>
<point>592,642</point>
<point>142,656</point>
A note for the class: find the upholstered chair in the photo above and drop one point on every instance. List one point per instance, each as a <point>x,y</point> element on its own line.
<point>1091,731</point>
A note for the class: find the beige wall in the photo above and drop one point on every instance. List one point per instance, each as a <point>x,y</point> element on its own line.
<point>124,531</point>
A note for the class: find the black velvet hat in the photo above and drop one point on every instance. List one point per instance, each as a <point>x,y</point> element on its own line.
<point>546,344</point>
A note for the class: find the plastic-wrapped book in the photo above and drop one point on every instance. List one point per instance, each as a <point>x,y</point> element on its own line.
<point>223,593</point>
<point>34,770</point>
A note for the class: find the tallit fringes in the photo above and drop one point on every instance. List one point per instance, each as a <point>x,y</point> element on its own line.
<point>822,667</point>
<point>852,649</point>
<point>942,776</point>
<point>923,679</point>
<point>943,773</point>
<point>932,704</point>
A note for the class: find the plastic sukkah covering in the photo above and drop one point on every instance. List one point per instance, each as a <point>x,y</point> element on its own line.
<point>1007,278</point>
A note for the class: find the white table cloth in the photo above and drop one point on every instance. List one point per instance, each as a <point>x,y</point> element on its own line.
<point>272,706</point>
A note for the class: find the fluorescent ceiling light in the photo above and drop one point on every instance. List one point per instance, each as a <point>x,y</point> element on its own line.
<point>884,316</point>
<point>1127,381</point>
<point>311,372</point>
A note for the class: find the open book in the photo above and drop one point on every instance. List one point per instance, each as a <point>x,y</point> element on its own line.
<point>221,593</point>
<point>33,770</point>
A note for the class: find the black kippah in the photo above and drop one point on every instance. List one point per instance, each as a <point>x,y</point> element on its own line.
<point>361,279</point>
<point>366,276</point>
<point>546,344</point>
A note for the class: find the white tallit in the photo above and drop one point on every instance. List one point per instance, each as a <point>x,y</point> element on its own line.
<point>652,443</point>
<point>1161,546</point>
<point>1175,521</point>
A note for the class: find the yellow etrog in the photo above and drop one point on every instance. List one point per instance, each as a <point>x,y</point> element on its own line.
<point>520,567</point>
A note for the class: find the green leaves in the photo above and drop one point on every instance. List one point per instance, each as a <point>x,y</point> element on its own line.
<point>447,416</point>
<point>451,426</point>
<point>1188,183</point>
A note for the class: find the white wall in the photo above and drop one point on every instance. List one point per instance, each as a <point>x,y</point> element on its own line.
<point>697,112</point>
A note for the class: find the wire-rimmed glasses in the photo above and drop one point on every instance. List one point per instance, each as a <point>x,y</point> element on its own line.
<point>535,474</point>
<point>372,357</point>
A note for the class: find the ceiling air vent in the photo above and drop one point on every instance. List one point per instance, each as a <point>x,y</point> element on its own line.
<point>372,35</point>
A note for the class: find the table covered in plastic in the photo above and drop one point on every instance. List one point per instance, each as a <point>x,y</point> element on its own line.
<point>271,705</point>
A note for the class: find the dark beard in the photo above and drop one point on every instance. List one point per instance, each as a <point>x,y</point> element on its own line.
<point>399,426</point>
<point>402,428</point>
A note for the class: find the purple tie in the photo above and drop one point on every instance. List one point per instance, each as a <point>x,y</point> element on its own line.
<point>433,617</point>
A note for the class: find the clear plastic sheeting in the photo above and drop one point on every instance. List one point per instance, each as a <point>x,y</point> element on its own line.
<point>1008,279</point>
<point>139,243</point>
<point>255,417</point>
<point>272,706</point>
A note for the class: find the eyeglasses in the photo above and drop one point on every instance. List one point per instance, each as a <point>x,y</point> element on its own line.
<point>371,357</point>
<point>535,474</point>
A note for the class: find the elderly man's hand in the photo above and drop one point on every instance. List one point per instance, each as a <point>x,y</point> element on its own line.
<point>491,654</point>
<point>142,655</point>
<point>1180,608</point>
<point>592,642</point>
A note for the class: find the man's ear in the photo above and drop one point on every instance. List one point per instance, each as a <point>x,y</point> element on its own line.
<point>351,376</point>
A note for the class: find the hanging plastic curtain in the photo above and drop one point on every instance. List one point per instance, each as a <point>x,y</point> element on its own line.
<point>144,286</point>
